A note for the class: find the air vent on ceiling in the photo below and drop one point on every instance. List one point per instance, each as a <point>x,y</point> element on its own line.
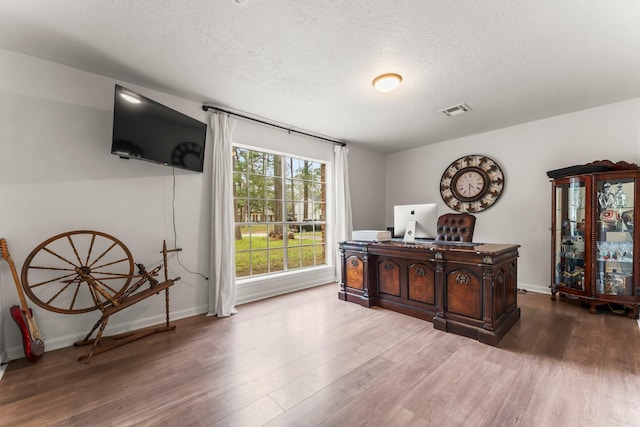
<point>456,110</point>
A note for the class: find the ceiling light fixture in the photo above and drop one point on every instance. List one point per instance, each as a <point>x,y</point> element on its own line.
<point>130,98</point>
<point>387,82</point>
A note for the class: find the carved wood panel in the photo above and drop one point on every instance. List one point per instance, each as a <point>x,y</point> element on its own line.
<point>512,285</point>
<point>499,293</point>
<point>421,280</point>
<point>464,293</point>
<point>354,272</point>
<point>389,277</point>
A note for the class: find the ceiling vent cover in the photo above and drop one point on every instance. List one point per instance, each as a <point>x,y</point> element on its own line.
<point>456,110</point>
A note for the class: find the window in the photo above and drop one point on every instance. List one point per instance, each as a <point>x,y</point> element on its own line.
<point>280,212</point>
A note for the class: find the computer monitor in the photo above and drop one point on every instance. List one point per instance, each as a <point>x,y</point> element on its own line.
<point>425,215</point>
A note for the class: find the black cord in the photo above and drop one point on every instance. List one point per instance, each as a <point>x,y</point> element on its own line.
<point>173,220</point>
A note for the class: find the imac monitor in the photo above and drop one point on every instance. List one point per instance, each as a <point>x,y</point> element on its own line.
<point>424,215</point>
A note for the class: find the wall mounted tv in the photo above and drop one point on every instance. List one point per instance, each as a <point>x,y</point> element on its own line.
<point>144,129</point>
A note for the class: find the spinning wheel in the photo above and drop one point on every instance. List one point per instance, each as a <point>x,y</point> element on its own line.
<point>80,271</point>
<point>58,274</point>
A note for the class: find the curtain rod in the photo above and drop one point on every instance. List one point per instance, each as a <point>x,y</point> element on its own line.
<point>333,141</point>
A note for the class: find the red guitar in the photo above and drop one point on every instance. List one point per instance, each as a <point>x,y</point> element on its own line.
<point>23,316</point>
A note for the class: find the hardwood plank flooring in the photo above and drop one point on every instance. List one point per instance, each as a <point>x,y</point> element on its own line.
<point>308,359</point>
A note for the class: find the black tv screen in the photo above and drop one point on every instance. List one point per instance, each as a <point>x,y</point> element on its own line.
<point>147,130</point>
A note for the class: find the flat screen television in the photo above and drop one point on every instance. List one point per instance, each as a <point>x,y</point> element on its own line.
<point>425,215</point>
<point>144,129</point>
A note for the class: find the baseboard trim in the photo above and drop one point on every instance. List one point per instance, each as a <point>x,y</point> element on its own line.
<point>17,352</point>
<point>539,289</point>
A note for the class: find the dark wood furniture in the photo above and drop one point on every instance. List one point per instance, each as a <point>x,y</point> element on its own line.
<point>454,227</point>
<point>593,235</point>
<point>465,288</point>
<point>84,270</point>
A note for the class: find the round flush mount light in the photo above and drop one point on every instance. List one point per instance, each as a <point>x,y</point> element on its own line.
<point>130,98</point>
<point>387,82</point>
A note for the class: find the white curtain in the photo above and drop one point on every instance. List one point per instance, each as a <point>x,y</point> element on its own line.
<point>344,222</point>
<point>222,287</point>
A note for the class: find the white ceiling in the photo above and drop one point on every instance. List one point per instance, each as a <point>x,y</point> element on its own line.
<point>309,63</point>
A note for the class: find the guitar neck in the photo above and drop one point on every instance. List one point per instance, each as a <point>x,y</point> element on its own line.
<point>4,251</point>
<point>16,280</point>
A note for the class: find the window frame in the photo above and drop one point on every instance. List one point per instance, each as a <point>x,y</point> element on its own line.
<point>327,253</point>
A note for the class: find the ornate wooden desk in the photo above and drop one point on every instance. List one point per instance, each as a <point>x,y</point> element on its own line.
<point>466,288</point>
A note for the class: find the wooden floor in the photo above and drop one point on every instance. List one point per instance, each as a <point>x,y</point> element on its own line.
<point>308,359</point>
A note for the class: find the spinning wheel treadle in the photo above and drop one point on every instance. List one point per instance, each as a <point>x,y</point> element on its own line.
<point>80,271</point>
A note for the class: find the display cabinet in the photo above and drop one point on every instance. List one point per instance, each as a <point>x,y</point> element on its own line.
<point>593,238</point>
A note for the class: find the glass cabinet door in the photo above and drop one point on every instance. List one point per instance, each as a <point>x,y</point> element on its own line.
<point>614,236</point>
<point>570,225</point>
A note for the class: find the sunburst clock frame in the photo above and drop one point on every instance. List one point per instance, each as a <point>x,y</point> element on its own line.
<point>472,183</point>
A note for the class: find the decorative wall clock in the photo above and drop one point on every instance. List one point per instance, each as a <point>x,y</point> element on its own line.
<point>472,183</point>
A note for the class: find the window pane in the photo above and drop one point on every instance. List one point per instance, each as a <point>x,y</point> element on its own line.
<point>290,211</point>
<point>259,262</point>
<point>293,258</point>
<point>277,216</point>
<point>298,189</point>
<point>319,211</point>
<point>276,183</point>
<point>294,239</point>
<point>240,159</point>
<point>289,193</point>
<point>268,165</point>
<point>243,264</point>
<point>275,236</point>
<point>277,165</point>
<point>258,236</point>
<point>240,187</point>
<point>269,188</point>
<point>294,166</point>
<point>297,211</point>
<point>256,162</point>
<point>276,260</point>
<point>256,208</point>
<point>240,208</point>
<point>321,257</point>
<point>308,258</point>
<point>315,175</point>
<point>320,235</point>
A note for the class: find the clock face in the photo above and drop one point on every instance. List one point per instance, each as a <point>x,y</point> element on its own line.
<point>472,183</point>
<point>469,184</point>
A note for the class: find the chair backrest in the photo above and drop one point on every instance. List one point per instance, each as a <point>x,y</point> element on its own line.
<point>456,227</point>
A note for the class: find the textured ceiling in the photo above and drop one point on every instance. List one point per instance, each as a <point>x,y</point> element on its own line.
<point>309,63</point>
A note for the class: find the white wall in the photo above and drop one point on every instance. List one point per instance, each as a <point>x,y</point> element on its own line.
<point>526,152</point>
<point>57,175</point>
<point>367,186</point>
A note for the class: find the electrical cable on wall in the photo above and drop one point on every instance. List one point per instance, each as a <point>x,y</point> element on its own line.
<point>173,221</point>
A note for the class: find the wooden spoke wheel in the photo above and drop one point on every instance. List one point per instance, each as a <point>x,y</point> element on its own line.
<point>77,272</point>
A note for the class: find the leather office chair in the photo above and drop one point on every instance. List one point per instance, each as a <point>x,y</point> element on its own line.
<point>456,227</point>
